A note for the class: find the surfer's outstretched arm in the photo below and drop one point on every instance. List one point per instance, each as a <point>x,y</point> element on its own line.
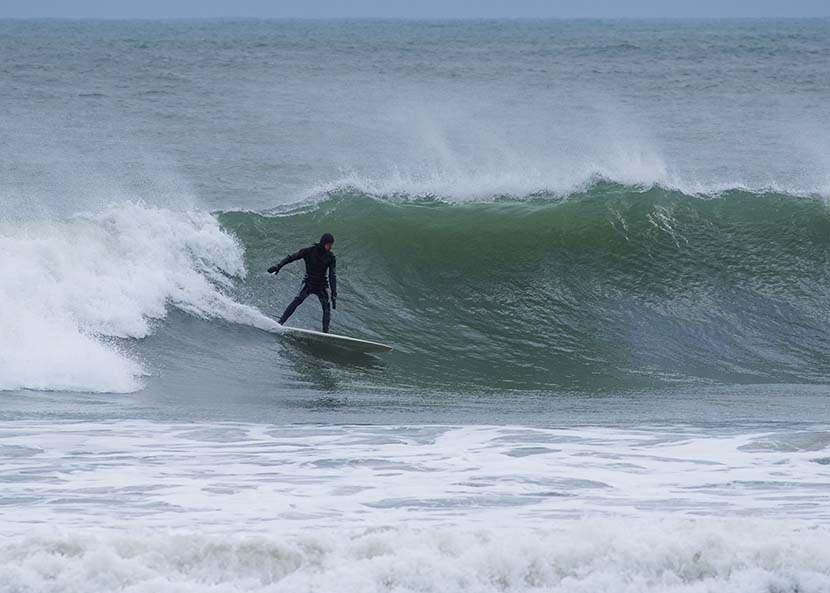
<point>287,260</point>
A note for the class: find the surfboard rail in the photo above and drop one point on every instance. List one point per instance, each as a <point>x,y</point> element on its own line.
<point>336,340</point>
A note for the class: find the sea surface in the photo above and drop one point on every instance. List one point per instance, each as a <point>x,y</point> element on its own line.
<point>600,249</point>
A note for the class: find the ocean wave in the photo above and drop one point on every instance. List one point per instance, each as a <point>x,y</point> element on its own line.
<point>69,289</point>
<point>613,285</point>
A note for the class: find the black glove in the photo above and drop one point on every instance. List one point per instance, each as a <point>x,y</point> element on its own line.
<point>273,270</point>
<point>334,301</point>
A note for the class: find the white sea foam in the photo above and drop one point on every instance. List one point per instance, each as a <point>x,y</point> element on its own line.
<point>148,507</point>
<point>250,476</point>
<point>576,556</point>
<point>68,288</point>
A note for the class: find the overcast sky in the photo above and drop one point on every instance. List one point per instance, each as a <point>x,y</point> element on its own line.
<point>413,8</point>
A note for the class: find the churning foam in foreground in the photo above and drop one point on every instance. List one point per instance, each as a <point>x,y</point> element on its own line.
<point>68,288</point>
<point>232,507</point>
<point>579,556</point>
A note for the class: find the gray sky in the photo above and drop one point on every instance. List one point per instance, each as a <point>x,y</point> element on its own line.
<point>413,8</point>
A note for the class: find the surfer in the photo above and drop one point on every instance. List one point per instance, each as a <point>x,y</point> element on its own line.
<point>318,260</point>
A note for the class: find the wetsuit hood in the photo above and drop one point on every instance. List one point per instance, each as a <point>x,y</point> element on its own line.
<point>326,238</point>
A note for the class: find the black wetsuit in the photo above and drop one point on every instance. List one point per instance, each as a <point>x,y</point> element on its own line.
<point>318,262</point>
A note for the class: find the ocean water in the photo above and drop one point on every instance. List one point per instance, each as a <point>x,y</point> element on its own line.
<point>600,249</point>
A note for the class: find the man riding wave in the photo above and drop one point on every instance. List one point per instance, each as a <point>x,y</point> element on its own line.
<point>319,262</point>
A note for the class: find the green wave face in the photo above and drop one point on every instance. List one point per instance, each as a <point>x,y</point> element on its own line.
<point>616,287</point>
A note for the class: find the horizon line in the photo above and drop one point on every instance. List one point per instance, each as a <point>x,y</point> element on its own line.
<point>411,18</point>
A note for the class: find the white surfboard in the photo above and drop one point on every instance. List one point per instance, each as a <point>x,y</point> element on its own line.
<point>336,340</point>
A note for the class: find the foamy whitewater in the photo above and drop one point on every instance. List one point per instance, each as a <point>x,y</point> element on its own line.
<point>418,508</point>
<point>68,287</point>
<point>600,250</point>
